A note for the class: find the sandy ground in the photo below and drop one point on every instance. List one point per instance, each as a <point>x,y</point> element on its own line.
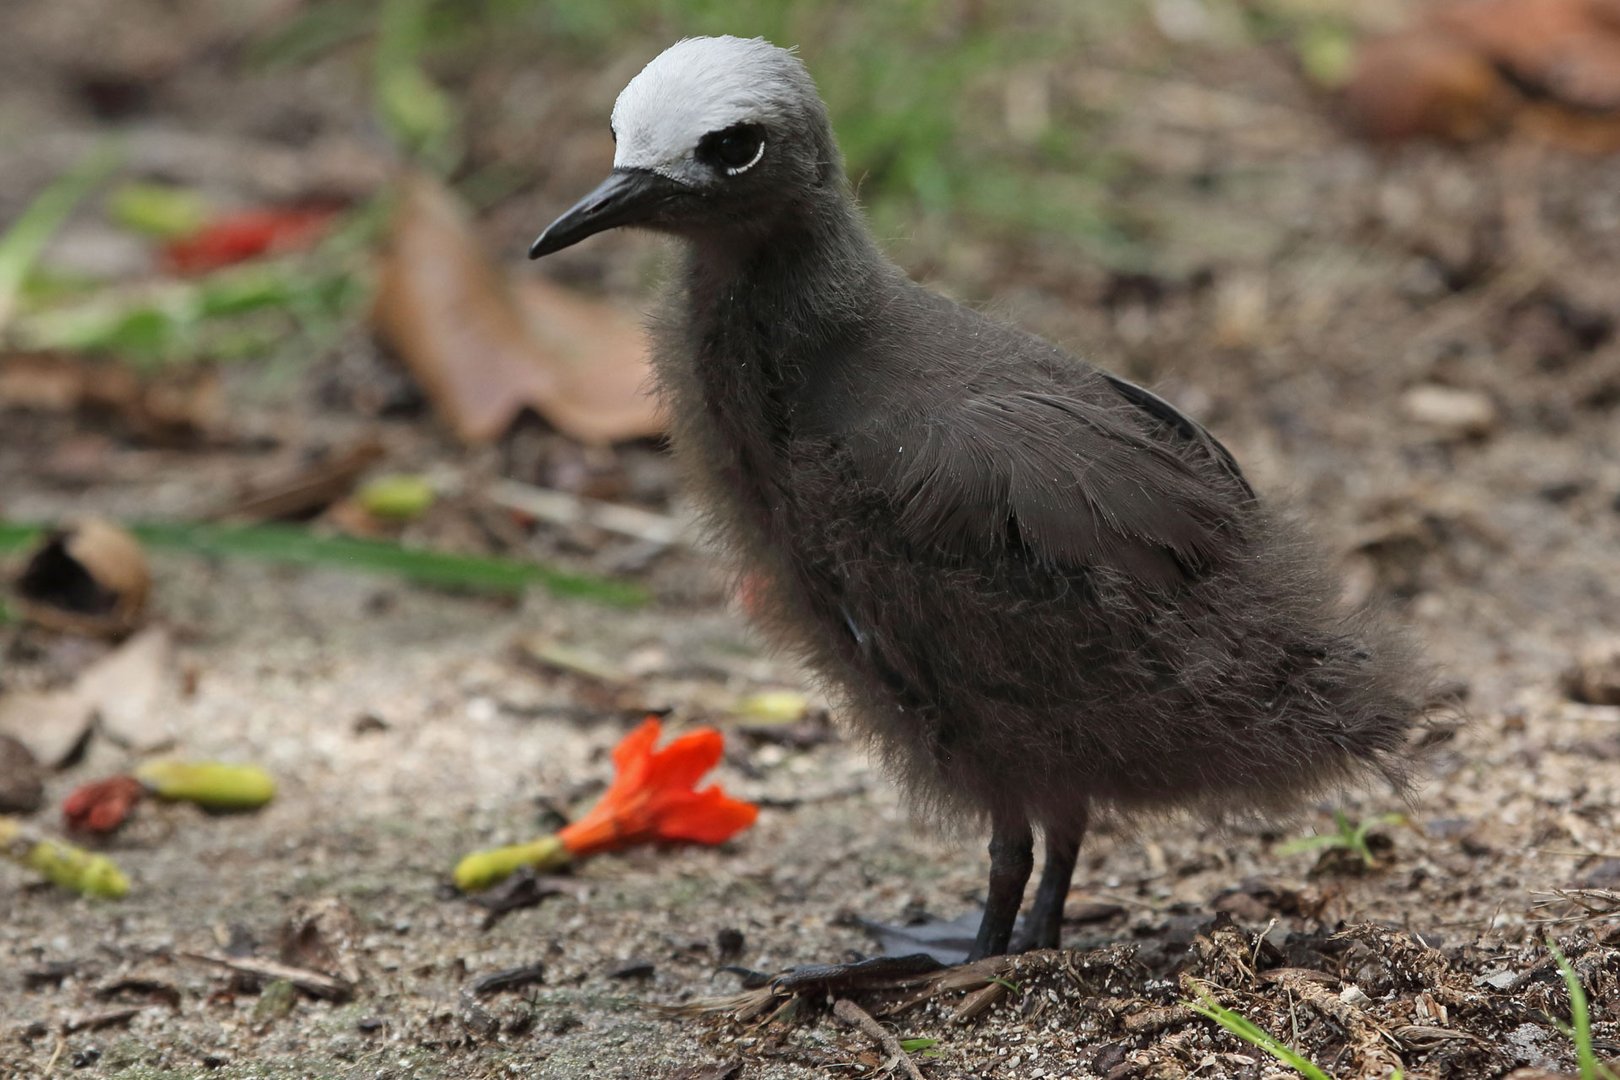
<point>1306,291</point>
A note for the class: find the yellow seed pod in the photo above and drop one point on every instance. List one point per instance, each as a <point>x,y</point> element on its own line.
<point>773,707</point>
<point>210,784</point>
<point>62,864</point>
<point>397,497</point>
<point>482,869</point>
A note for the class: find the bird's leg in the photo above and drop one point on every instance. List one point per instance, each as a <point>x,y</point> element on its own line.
<point>1012,857</point>
<point>1044,927</point>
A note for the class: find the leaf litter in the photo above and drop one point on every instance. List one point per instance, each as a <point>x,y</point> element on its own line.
<point>1412,251</point>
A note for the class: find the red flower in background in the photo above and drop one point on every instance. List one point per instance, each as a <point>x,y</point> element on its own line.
<point>103,805</point>
<point>247,234</point>
<point>653,796</point>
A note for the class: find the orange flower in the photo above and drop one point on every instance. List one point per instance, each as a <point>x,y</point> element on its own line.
<point>653,796</point>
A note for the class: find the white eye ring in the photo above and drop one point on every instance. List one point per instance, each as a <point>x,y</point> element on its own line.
<point>738,170</point>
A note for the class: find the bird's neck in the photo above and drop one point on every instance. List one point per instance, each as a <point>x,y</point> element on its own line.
<point>810,272</point>
<point>766,311</point>
<point>766,319</point>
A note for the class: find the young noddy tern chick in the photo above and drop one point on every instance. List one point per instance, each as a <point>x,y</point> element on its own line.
<point>1042,592</point>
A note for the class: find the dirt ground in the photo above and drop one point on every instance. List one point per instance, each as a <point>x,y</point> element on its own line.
<point>1302,286</point>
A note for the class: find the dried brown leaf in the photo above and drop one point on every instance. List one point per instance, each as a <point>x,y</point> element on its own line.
<point>176,406</point>
<point>1547,67</point>
<point>53,725</point>
<point>598,352</point>
<point>132,690</point>
<point>311,487</point>
<point>483,351</point>
<point>22,784</point>
<point>1568,50</point>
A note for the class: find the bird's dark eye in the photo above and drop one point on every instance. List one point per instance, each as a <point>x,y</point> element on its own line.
<point>734,150</point>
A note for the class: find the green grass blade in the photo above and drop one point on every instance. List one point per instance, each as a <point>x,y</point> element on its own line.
<point>1255,1036</point>
<point>26,238</point>
<point>418,116</point>
<point>290,544</point>
<point>1580,1020</point>
<point>14,536</point>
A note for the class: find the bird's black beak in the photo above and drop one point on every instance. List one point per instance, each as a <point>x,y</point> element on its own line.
<point>626,197</point>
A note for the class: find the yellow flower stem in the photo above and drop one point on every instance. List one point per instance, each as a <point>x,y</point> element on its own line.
<point>83,872</point>
<point>482,869</point>
<point>210,784</point>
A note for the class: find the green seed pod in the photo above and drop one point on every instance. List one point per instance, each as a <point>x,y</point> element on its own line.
<point>210,784</point>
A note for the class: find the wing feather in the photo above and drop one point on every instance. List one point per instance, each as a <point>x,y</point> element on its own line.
<point>1102,474</point>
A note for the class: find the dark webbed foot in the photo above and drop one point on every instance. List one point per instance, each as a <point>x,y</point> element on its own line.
<point>1043,929</point>
<point>1011,860</point>
<point>874,971</point>
<point>1012,857</point>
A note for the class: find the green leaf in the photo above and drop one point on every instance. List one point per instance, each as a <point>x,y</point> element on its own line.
<point>15,536</point>
<point>419,116</point>
<point>1254,1035</point>
<point>912,1046</point>
<point>290,544</point>
<point>1327,53</point>
<point>160,210</point>
<point>1349,837</point>
<point>200,319</point>
<point>311,34</point>
<point>22,243</point>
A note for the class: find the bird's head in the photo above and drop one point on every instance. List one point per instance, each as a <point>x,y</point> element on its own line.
<point>717,134</point>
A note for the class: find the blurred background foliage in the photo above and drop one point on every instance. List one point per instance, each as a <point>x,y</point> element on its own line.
<point>943,108</point>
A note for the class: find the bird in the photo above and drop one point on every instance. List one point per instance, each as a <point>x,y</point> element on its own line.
<point>1045,596</point>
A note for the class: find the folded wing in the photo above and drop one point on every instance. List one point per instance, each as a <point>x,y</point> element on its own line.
<point>1105,474</point>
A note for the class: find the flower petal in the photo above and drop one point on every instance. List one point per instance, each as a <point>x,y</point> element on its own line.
<point>604,828</point>
<point>632,761</point>
<point>103,805</point>
<point>709,816</point>
<point>683,762</point>
<point>636,747</point>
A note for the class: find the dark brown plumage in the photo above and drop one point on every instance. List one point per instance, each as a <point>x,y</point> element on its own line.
<point>1040,590</point>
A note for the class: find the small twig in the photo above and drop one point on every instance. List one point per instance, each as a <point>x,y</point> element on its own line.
<point>1259,940</point>
<point>564,508</point>
<point>509,979</point>
<point>976,1003</point>
<point>105,1018</point>
<point>1593,904</point>
<point>858,1018</point>
<point>313,487</point>
<point>311,982</point>
<point>56,1055</point>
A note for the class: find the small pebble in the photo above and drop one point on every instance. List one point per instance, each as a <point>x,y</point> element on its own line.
<point>1594,679</point>
<point>22,783</point>
<point>729,943</point>
<point>1449,412</point>
<point>633,969</point>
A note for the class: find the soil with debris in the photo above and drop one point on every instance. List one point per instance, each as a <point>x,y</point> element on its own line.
<point>1416,344</point>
